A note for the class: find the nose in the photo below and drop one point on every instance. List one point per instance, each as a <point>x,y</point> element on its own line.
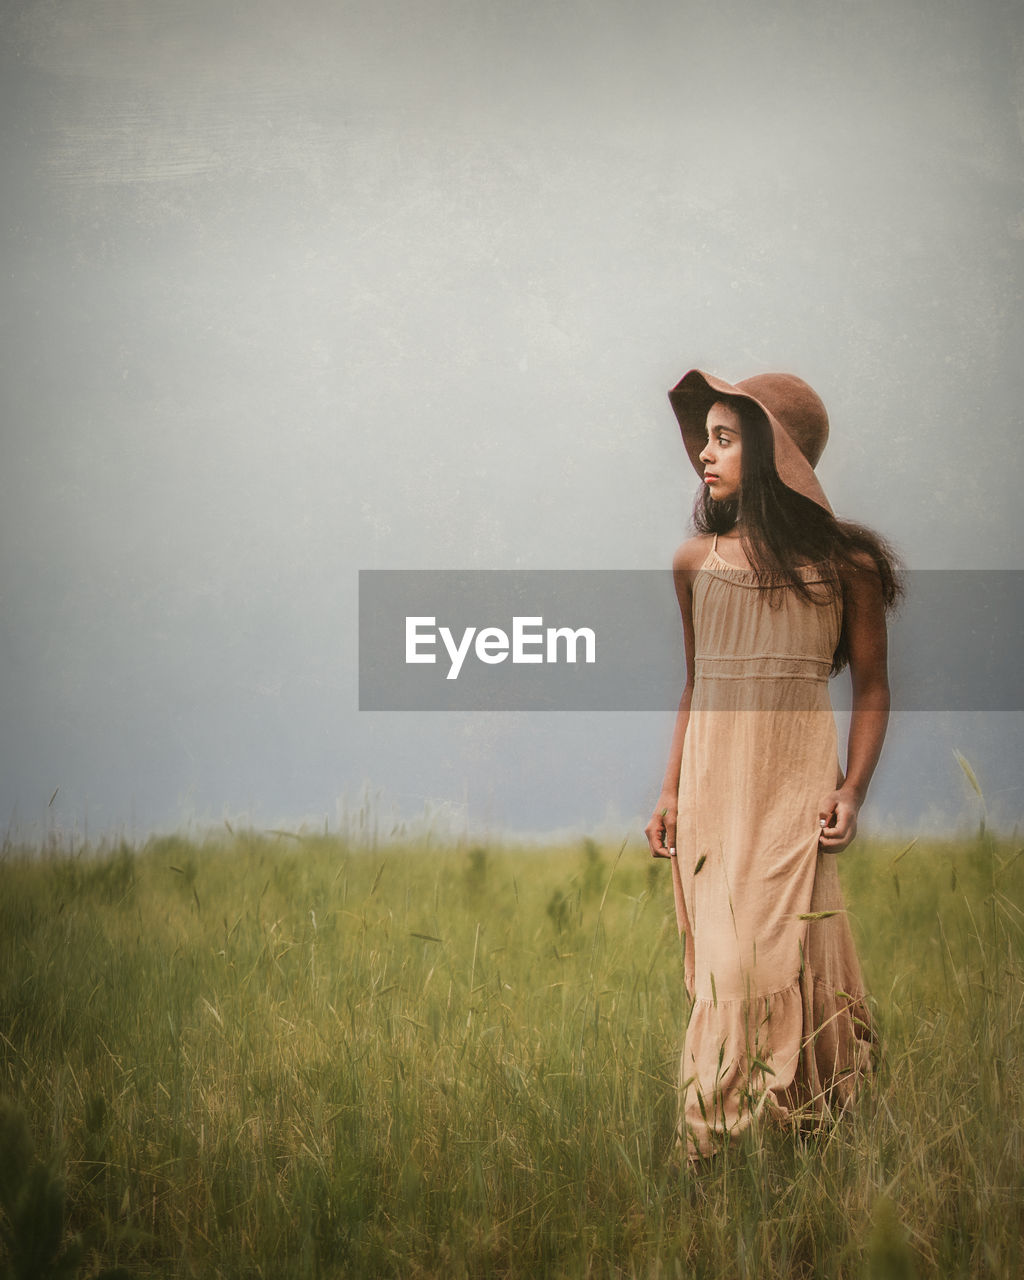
<point>706,454</point>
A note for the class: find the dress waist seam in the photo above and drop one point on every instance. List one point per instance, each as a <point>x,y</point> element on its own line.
<point>809,676</point>
<point>762,657</point>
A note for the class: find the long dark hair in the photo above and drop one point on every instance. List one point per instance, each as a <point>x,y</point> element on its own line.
<point>783,530</point>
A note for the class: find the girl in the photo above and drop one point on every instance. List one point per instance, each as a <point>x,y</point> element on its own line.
<point>776,595</point>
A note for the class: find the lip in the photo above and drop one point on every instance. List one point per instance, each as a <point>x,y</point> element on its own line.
<point>710,477</point>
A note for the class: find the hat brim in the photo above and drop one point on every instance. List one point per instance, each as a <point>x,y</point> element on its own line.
<point>693,396</point>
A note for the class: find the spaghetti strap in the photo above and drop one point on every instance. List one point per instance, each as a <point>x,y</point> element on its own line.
<point>714,545</point>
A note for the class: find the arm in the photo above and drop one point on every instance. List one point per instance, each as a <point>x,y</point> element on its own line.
<point>661,830</point>
<point>865,623</point>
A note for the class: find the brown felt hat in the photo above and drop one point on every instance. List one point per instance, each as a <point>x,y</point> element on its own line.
<point>795,413</point>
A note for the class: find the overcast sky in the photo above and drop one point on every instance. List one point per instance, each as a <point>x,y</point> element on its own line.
<point>297,289</point>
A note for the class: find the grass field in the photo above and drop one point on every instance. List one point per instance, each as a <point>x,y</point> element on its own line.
<point>288,1057</point>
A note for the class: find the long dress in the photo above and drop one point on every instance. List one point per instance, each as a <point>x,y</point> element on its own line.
<point>778,1022</point>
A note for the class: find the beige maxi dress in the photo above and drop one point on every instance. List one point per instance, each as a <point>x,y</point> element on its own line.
<point>778,1021</point>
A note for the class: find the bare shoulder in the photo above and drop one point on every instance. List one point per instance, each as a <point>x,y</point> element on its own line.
<point>685,563</point>
<point>861,583</point>
<point>692,554</point>
<point>859,571</point>
<point>859,562</point>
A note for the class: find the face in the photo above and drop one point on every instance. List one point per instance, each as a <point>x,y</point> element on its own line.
<point>722,453</point>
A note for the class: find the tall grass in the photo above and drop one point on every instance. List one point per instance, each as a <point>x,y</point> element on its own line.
<point>292,1058</point>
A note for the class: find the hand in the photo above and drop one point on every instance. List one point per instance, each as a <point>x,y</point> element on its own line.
<point>837,815</point>
<point>661,830</point>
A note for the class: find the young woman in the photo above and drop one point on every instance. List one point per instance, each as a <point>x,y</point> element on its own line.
<point>776,595</point>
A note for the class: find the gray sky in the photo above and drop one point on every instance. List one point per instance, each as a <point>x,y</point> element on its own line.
<point>292,290</point>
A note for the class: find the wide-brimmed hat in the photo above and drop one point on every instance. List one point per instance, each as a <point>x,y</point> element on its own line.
<point>793,410</point>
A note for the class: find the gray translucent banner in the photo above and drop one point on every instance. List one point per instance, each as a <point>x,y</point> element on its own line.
<point>611,640</point>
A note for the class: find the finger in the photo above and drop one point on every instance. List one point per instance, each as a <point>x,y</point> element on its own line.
<point>837,828</point>
<point>846,818</point>
<point>837,838</point>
